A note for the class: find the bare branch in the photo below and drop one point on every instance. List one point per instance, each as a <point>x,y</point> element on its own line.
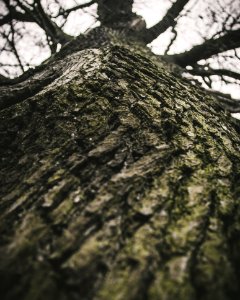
<point>36,14</point>
<point>11,39</point>
<point>227,102</point>
<point>230,40</point>
<point>207,71</point>
<point>150,34</point>
<point>15,15</point>
<point>66,12</point>
<point>172,40</point>
<point>44,21</point>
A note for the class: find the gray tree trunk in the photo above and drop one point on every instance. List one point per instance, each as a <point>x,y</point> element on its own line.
<point>119,180</point>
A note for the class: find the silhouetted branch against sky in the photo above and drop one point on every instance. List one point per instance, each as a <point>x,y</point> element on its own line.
<point>201,36</point>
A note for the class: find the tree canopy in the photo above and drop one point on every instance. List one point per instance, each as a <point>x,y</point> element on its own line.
<point>209,53</point>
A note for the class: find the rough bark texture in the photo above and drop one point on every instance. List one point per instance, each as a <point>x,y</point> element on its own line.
<point>119,180</point>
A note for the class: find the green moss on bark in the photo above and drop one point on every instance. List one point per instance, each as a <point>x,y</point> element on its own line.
<point>120,181</point>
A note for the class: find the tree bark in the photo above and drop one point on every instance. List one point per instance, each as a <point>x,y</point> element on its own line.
<point>119,180</point>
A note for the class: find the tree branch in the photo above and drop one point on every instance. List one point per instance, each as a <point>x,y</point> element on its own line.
<point>38,15</point>
<point>230,40</point>
<point>66,12</point>
<point>150,34</point>
<point>227,102</point>
<point>203,71</point>
<point>15,15</point>
<point>171,41</point>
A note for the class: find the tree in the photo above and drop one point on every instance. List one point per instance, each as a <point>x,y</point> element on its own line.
<point>119,178</point>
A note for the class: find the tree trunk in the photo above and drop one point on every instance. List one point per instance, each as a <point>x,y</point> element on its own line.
<point>120,180</point>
